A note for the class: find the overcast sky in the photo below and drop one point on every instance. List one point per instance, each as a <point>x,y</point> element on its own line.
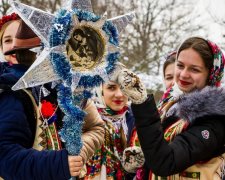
<point>207,9</point>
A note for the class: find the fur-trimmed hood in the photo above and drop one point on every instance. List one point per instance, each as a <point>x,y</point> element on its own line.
<point>208,101</point>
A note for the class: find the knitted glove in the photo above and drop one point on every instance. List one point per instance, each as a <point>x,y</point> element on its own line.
<point>133,159</point>
<point>130,84</point>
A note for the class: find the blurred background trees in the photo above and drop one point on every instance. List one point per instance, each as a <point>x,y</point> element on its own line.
<point>48,5</point>
<point>159,27</point>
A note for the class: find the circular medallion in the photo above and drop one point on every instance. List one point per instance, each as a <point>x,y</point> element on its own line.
<point>85,48</point>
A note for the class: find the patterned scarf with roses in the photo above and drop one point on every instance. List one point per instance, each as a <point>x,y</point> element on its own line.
<point>106,162</point>
<point>171,96</point>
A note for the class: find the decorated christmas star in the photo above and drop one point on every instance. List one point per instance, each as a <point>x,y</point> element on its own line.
<point>80,50</point>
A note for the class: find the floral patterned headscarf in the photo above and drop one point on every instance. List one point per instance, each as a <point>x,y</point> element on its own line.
<point>117,118</point>
<point>215,77</point>
<point>217,71</point>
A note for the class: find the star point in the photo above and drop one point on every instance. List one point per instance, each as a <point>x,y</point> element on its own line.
<point>85,42</point>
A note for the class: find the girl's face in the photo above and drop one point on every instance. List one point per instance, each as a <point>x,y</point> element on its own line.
<point>8,41</point>
<point>169,75</point>
<point>190,71</point>
<point>113,96</point>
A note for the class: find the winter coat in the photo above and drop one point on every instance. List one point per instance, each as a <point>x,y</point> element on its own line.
<point>18,160</point>
<point>106,162</point>
<point>93,136</point>
<point>197,146</point>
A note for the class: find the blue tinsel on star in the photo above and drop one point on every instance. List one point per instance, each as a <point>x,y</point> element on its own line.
<point>112,32</point>
<point>72,121</point>
<point>89,81</point>
<point>59,36</point>
<point>86,15</point>
<point>112,60</point>
<point>60,62</point>
<point>74,116</point>
<point>65,101</point>
<point>71,134</point>
<point>62,67</point>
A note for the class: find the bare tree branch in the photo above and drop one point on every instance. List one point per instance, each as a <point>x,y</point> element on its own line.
<point>159,28</point>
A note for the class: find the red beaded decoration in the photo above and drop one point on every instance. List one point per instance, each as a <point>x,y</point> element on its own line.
<point>8,18</point>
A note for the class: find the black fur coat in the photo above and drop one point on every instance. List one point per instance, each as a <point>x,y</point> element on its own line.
<point>201,141</point>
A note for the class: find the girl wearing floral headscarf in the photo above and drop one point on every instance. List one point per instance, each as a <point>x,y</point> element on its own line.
<point>112,105</point>
<point>184,138</point>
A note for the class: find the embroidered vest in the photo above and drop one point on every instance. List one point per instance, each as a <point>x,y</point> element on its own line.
<point>45,138</point>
